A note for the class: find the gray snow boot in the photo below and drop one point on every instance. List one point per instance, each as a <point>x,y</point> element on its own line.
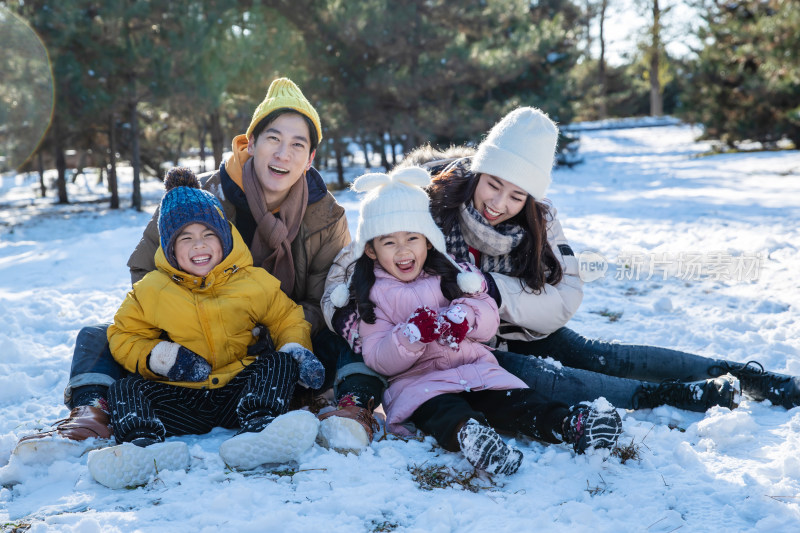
<point>486,450</point>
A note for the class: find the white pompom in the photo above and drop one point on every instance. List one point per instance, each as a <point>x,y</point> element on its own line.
<point>367,182</point>
<point>469,282</point>
<point>340,295</point>
<point>414,175</point>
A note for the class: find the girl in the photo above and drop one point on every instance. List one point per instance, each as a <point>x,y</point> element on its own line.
<point>423,322</point>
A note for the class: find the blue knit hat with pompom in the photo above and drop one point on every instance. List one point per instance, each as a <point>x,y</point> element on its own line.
<point>186,203</point>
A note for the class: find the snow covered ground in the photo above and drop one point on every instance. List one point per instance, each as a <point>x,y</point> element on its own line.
<point>702,255</point>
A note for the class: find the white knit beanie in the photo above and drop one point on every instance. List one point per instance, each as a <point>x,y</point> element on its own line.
<point>397,202</point>
<point>520,149</point>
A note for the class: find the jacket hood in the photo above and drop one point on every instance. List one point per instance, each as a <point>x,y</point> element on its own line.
<point>239,257</point>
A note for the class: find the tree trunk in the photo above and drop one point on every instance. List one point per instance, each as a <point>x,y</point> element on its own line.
<point>384,159</point>
<point>136,197</point>
<point>338,149</point>
<point>202,144</point>
<point>365,147</point>
<point>40,161</point>
<point>179,148</point>
<point>601,65</point>
<point>217,139</point>
<point>656,99</point>
<point>321,155</point>
<point>113,186</point>
<point>589,18</point>
<point>61,164</point>
<point>391,148</point>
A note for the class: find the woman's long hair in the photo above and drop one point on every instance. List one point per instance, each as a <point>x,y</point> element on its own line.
<point>533,261</point>
<point>363,278</point>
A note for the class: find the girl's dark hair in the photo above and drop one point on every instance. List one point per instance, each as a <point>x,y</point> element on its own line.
<point>533,261</point>
<point>271,117</point>
<point>363,278</point>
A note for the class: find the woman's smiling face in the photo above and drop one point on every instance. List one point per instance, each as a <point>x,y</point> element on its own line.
<point>497,199</point>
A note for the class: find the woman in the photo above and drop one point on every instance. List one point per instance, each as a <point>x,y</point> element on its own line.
<point>490,204</point>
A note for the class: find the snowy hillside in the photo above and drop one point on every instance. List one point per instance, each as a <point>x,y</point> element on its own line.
<point>702,256</point>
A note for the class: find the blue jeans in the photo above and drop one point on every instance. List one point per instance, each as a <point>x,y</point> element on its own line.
<point>93,364</point>
<point>588,368</point>
<point>633,361</point>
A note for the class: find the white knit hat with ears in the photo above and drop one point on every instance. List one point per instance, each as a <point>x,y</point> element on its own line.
<point>520,149</point>
<point>397,202</point>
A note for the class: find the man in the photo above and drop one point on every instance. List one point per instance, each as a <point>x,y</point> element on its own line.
<point>293,226</point>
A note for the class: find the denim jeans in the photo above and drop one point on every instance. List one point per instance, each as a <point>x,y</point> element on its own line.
<point>585,369</point>
<point>633,361</point>
<point>92,362</point>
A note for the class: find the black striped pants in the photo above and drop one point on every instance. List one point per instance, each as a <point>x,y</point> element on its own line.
<point>153,409</point>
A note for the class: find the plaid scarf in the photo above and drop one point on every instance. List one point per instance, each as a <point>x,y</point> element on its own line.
<point>494,243</point>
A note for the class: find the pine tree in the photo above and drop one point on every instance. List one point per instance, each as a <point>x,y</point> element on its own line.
<point>746,83</point>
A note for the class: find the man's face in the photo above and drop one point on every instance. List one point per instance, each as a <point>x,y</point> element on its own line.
<point>281,156</point>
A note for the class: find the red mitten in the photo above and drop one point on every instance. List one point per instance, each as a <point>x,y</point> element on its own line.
<point>454,326</point>
<point>422,325</point>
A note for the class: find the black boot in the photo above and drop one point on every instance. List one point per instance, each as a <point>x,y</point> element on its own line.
<point>759,384</point>
<point>697,396</point>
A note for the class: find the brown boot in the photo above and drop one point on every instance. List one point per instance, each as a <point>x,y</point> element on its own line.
<point>84,422</point>
<point>349,428</point>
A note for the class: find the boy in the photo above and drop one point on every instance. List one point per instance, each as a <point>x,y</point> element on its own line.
<point>186,334</point>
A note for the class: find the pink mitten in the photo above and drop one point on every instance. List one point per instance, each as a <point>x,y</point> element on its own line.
<point>422,325</point>
<point>454,326</point>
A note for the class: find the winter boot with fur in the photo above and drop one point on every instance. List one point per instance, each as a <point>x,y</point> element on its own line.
<point>588,426</point>
<point>759,384</point>
<point>280,440</point>
<point>697,396</point>
<point>486,450</point>
<point>137,463</point>
<point>85,428</point>
<point>349,428</point>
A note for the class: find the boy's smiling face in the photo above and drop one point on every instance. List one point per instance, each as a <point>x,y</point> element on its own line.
<point>197,249</point>
<point>401,253</point>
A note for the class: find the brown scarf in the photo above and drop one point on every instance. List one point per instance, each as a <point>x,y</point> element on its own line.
<point>272,241</point>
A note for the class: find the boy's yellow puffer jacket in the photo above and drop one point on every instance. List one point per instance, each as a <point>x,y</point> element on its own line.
<point>212,316</point>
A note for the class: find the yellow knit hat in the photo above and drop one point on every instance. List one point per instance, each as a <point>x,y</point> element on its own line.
<point>283,93</point>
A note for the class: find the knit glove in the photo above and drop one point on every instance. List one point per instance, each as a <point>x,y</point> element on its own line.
<point>177,363</point>
<point>454,326</point>
<point>422,326</point>
<point>345,322</point>
<point>263,342</point>
<point>312,373</point>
